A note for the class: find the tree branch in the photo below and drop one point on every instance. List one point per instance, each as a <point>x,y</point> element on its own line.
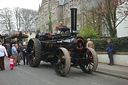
<point>121,21</point>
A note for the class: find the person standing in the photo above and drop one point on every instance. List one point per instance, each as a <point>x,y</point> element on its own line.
<point>18,57</point>
<point>110,51</point>
<point>21,50</point>
<point>14,53</point>
<point>90,44</point>
<point>25,57</point>
<point>3,53</point>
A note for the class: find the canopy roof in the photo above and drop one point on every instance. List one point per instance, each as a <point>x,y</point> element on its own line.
<point>17,36</point>
<point>1,36</point>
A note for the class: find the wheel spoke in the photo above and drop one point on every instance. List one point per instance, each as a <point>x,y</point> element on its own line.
<point>91,64</point>
<point>57,56</point>
<point>60,53</point>
<point>60,61</point>
<point>61,68</point>
<point>30,48</point>
<point>30,55</point>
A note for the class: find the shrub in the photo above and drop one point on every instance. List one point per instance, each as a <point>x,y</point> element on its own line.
<point>120,44</point>
<point>88,32</point>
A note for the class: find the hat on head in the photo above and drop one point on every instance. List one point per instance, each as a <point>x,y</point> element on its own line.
<point>13,44</point>
<point>88,39</point>
<point>24,43</point>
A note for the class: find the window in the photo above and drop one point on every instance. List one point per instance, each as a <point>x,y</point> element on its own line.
<point>53,14</point>
<point>45,7</point>
<point>78,26</point>
<point>78,5</point>
<point>71,3</point>
<point>89,0</point>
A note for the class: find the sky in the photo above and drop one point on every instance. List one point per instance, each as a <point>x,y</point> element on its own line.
<point>29,4</point>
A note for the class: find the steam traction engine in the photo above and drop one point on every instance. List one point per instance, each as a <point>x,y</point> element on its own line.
<point>63,50</point>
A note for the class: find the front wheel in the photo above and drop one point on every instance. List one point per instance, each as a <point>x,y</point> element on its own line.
<point>91,55</point>
<point>62,61</point>
<point>34,52</point>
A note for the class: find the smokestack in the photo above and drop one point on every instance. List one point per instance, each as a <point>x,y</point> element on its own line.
<point>73,19</point>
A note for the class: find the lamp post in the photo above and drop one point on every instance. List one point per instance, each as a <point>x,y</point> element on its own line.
<point>20,36</point>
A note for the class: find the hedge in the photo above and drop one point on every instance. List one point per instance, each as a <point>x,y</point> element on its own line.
<point>120,44</point>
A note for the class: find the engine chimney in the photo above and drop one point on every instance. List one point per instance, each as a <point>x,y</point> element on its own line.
<point>73,20</point>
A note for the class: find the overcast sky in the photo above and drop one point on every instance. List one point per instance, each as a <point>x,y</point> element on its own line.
<point>30,4</point>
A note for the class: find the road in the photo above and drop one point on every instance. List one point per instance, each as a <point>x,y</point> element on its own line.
<point>45,75</point>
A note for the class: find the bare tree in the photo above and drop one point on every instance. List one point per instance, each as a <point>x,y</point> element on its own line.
<point>28,18</point>
<point>18,20</point>
<point>6,18</point>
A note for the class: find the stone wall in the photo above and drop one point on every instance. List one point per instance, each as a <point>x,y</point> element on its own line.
<point>119,58</point>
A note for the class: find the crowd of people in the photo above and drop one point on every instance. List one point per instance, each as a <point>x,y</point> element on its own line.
<point>18,53</point>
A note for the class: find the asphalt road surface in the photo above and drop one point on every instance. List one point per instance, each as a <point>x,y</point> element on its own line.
<point>45,75</point>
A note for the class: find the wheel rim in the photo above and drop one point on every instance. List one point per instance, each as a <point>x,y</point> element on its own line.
<point>92,61</point>
<point>60,62</point>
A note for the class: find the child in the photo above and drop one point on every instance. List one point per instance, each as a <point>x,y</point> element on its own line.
<point>11,62</point>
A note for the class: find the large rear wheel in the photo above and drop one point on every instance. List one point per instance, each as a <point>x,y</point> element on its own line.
<point>34,52</point>
<point>91,55</point>
<point>62,61</point>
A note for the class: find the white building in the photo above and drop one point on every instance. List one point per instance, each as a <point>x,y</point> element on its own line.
<point>122,29</point>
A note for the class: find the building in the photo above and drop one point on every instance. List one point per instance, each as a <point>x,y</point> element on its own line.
<point>43,14</point>
<point>60,12</point>
<point>122,29</point>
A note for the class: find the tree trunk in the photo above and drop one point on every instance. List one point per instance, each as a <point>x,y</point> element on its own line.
<point>113,33</point>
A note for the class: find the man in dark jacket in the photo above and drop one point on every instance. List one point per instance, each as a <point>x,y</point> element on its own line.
<point>25,53</point>
<point>21,50</point>
<point>110,51</point>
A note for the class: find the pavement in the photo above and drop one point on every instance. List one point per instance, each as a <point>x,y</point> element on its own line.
<point>114,70</point>
<point>45,75</point>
